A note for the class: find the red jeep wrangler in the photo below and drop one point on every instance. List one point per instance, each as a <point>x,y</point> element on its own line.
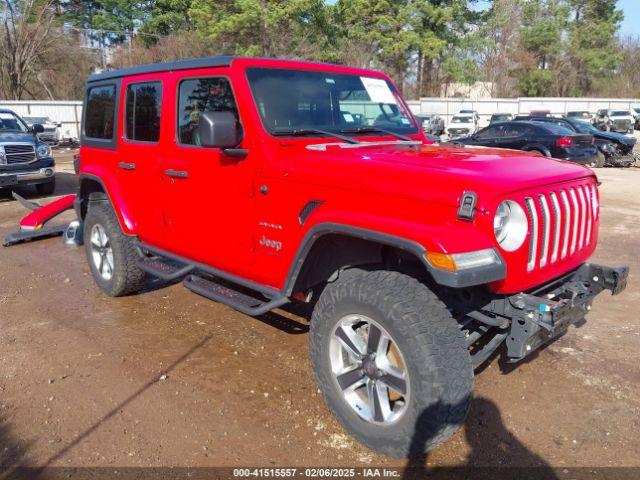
<point>264,182</point>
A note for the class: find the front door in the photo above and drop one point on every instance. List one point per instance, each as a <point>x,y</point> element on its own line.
<point>208,203</point>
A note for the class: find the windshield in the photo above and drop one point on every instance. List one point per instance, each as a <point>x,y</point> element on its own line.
<point>299,99</point>
<point>35,120</point>
<point>555,129</point>
<point>620,113</point>
<point>500,118</point>
<point>461,120</point>
<point>10,122</point>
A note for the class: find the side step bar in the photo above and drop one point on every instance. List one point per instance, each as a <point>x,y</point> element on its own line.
<point>168,266</point>
<point>166,270</point>
<point>232,298</point>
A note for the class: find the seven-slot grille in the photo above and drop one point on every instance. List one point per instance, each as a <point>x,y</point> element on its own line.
<point>561,223</point>
<point>19,153</point>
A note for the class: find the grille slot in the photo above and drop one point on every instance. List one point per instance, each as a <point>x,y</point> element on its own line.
<point>533,239</point>
<point>560,223</point>
<point>557,216</point>
<point>546,225</point>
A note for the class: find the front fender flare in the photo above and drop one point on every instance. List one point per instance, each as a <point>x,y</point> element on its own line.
<point>467,278</point>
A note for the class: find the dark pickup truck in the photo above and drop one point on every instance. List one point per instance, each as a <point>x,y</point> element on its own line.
<point>24,158</point>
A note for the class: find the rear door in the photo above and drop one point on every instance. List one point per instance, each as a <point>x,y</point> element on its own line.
<point>138,165</point>
<point>514,136</point>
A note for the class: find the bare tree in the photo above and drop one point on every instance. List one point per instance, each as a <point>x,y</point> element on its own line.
<point>27,35</point>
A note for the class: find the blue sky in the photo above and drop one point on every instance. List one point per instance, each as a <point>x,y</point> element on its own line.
<point>631,9</point>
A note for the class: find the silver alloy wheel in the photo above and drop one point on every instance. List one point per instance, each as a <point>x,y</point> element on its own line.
<point>101,252</point>
<point>369,369</point>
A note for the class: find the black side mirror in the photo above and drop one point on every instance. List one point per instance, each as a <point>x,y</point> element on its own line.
<point>37,128</point>
<point>218,130</point>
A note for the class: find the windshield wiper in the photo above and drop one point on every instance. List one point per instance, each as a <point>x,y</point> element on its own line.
<point>311,131</point>
<point>376,129</point>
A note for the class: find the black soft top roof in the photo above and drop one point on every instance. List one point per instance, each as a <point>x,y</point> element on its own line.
<point>220,61</point>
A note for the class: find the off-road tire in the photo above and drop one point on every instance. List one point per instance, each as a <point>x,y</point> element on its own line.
<point>46,188</point>
<point>435,353</point>
<point>127,278</point>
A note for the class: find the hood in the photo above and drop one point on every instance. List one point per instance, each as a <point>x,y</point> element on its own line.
<point>423,171</point>
<point>616,137</point>
<point>622,117</point>
<point>8,137</point>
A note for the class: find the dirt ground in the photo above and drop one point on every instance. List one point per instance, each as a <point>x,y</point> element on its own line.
<point>167,378</point>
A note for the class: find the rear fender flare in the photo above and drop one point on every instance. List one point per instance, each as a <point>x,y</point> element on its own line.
<point>113,194</point>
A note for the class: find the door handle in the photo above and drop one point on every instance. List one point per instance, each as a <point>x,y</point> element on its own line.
<point>177,173</point>
<point>127,166</point>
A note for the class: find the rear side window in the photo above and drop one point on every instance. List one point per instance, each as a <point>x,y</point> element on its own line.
<point>201,95</point>
<point>556,129</point>
<point>101,107</point>
<point>143,112</point>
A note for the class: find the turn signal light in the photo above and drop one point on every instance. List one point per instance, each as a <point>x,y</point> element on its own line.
<point>441,261</point>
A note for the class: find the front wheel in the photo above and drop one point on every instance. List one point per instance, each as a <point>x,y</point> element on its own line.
<point>390,361</point>
<point>111,254</point>
<point>599,161</point>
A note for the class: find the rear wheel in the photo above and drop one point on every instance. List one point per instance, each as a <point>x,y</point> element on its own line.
<point>111,254</point>
<point>46,188</point>
<point>391,362</point>
<point>537,150</point>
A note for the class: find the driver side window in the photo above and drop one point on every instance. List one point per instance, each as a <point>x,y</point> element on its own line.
<point>199,95</point>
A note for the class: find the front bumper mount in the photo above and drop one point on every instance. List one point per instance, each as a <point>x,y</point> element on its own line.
<point>537,317</point>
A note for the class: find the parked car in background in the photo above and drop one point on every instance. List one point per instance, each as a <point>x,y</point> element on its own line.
<point>544,138</point>
<point>432,123</point>
<point>500,118</point>
<point>582,115</point>
<point>615,149</point>
<point>24,158</point>
<point>621,121</point>
<point>52,130</point>
<point>476,115</point>
<point>636,114</point>
<point>462,124</point>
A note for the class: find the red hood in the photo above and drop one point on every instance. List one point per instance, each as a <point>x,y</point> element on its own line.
<point>430,173</point>
<point>497,169</point>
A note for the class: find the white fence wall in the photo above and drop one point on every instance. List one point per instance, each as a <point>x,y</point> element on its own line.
<point>68,113</point>
<point>447,107</point>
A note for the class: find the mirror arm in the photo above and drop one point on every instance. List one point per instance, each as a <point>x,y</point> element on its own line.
<point>235,152</point>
